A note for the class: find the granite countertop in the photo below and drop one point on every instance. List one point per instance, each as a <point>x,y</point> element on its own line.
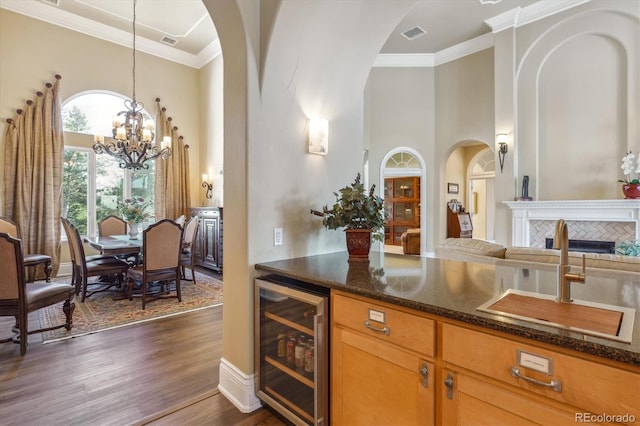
<point>455,290</point>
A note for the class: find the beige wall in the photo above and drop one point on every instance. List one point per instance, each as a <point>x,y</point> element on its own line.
<point>211,160</point>
<point>33,51</point>
<point>399,108</point>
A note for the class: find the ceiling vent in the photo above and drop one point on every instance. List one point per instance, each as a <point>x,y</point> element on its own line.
<point>168,40</point>
<point>413,33</point>
<point>53,2</point>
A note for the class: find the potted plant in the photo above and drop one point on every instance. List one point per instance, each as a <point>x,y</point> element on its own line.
<point>361,214</point>
<point>631,186</point>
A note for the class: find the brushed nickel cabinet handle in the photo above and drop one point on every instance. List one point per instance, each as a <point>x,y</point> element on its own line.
<point>555,385</point>
<point>449,385</point>
<point>384,330</point>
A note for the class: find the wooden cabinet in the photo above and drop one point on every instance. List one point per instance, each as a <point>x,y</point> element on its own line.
<point>505,382</point>
<point>459,224</point>
<point>382,369</point>
<point>402,206</point>
<point>208,248</point>
<point>379,352</point>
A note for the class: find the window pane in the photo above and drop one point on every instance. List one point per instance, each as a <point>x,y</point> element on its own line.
<point>75,185</point>
<point>142,182</point>
<point>109,186</point>
<point>97,110</point>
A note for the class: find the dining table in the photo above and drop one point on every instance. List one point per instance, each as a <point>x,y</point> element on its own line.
<point>119,245</point>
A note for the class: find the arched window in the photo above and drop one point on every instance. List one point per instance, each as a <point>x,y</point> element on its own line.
<point>93,184</point>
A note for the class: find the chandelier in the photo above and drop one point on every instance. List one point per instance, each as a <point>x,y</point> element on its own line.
<point>133,140</point>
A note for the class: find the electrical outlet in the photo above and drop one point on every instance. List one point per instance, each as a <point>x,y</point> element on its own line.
<point>277,236</point>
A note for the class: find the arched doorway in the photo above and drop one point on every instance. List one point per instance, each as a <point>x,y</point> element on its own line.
<point>481,200</point>
<point>403,177</point>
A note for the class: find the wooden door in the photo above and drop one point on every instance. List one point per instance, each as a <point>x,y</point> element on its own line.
<point>402,207</point>
<point>374,383</point>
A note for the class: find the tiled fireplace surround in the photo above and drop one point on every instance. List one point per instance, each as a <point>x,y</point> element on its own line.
<point>600,220</point>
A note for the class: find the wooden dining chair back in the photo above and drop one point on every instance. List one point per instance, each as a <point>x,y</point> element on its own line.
<point>30,260</point>
<point>18,299</point>
<point>187,259</point>
<point>112,225</point>
<point>102,266</point>
<point>161,247</point>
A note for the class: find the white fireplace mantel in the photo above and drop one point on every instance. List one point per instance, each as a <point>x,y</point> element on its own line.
<point>524,212</point>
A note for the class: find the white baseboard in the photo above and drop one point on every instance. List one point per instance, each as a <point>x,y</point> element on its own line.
<point>238,387</point>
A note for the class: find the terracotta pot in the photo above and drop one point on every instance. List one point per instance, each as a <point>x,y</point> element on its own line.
<point>631,190</point>
<point>358,244</point>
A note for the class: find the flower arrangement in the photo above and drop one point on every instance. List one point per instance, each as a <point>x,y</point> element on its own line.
<point>133,209</point>
<point>627,169</point>
<point>355,209</point>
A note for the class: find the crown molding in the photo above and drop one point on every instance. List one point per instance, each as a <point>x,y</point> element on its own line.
<point>519,17</point>
<point>38,10</point>
<point>513,18</point>
<point>461,50</point>
<point>429,60</point>
<point>404,60</point>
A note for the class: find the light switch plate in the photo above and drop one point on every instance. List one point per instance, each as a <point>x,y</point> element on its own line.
<point>277,236</point>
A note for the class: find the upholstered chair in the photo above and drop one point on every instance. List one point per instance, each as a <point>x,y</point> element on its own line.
<point>161,250</point>
<point>83,269</point>
<point>30,260</point>
<point>188,243</point>
<point>112,225</point>
<point>18,299</point>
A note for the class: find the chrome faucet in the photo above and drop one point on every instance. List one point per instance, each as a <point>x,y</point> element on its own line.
<point>565,276</point>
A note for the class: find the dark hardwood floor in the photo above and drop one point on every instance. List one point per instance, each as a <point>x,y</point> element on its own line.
<point>160,372</point>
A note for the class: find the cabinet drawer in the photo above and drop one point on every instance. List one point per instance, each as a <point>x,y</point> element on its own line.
<point>403,329</point>
<point>585,384</point>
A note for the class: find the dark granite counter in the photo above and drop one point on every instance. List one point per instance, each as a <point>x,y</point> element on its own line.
<point>454,290</point>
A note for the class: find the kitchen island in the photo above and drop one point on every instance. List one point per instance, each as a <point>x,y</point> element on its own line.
<point>422,324</point>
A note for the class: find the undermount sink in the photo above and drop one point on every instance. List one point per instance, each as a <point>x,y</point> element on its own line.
<point>596,319</point>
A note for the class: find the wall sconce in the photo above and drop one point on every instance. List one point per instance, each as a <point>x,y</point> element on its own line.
<point>208,186</point>
<point>318,136</point>
<point>503,148</point>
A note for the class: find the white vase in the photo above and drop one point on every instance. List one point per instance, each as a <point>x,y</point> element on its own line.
<point>133,230</point>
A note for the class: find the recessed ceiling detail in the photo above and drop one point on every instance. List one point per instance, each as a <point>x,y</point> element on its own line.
<point>53,2</point>
<point>413,33</point>
<point>489,1</point>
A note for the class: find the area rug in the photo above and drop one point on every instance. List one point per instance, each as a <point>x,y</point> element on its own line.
<point>101,312</point>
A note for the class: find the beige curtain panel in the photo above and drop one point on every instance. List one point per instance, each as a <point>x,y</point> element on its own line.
<point>33,153</point>
<point>171,192</point>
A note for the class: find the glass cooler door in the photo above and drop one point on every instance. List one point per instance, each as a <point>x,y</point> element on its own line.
<point>291,360</point>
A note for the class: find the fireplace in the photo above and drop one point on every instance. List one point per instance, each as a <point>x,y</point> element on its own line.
<point>587,246</point>
<point>612,221</point>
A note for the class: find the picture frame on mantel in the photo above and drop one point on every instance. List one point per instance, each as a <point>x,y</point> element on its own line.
<point>453,188</point>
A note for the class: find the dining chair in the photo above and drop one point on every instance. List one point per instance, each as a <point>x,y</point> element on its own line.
<point>84,268</point>
<point>112,225</point>
<point>181,220</point>
<point>18,299</point>
<point>30,260</point>
<point>88,258</point>
<point>161,247</point>
<point>187,258</point>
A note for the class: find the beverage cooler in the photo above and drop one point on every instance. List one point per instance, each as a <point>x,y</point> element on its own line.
<point>291,348</point>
